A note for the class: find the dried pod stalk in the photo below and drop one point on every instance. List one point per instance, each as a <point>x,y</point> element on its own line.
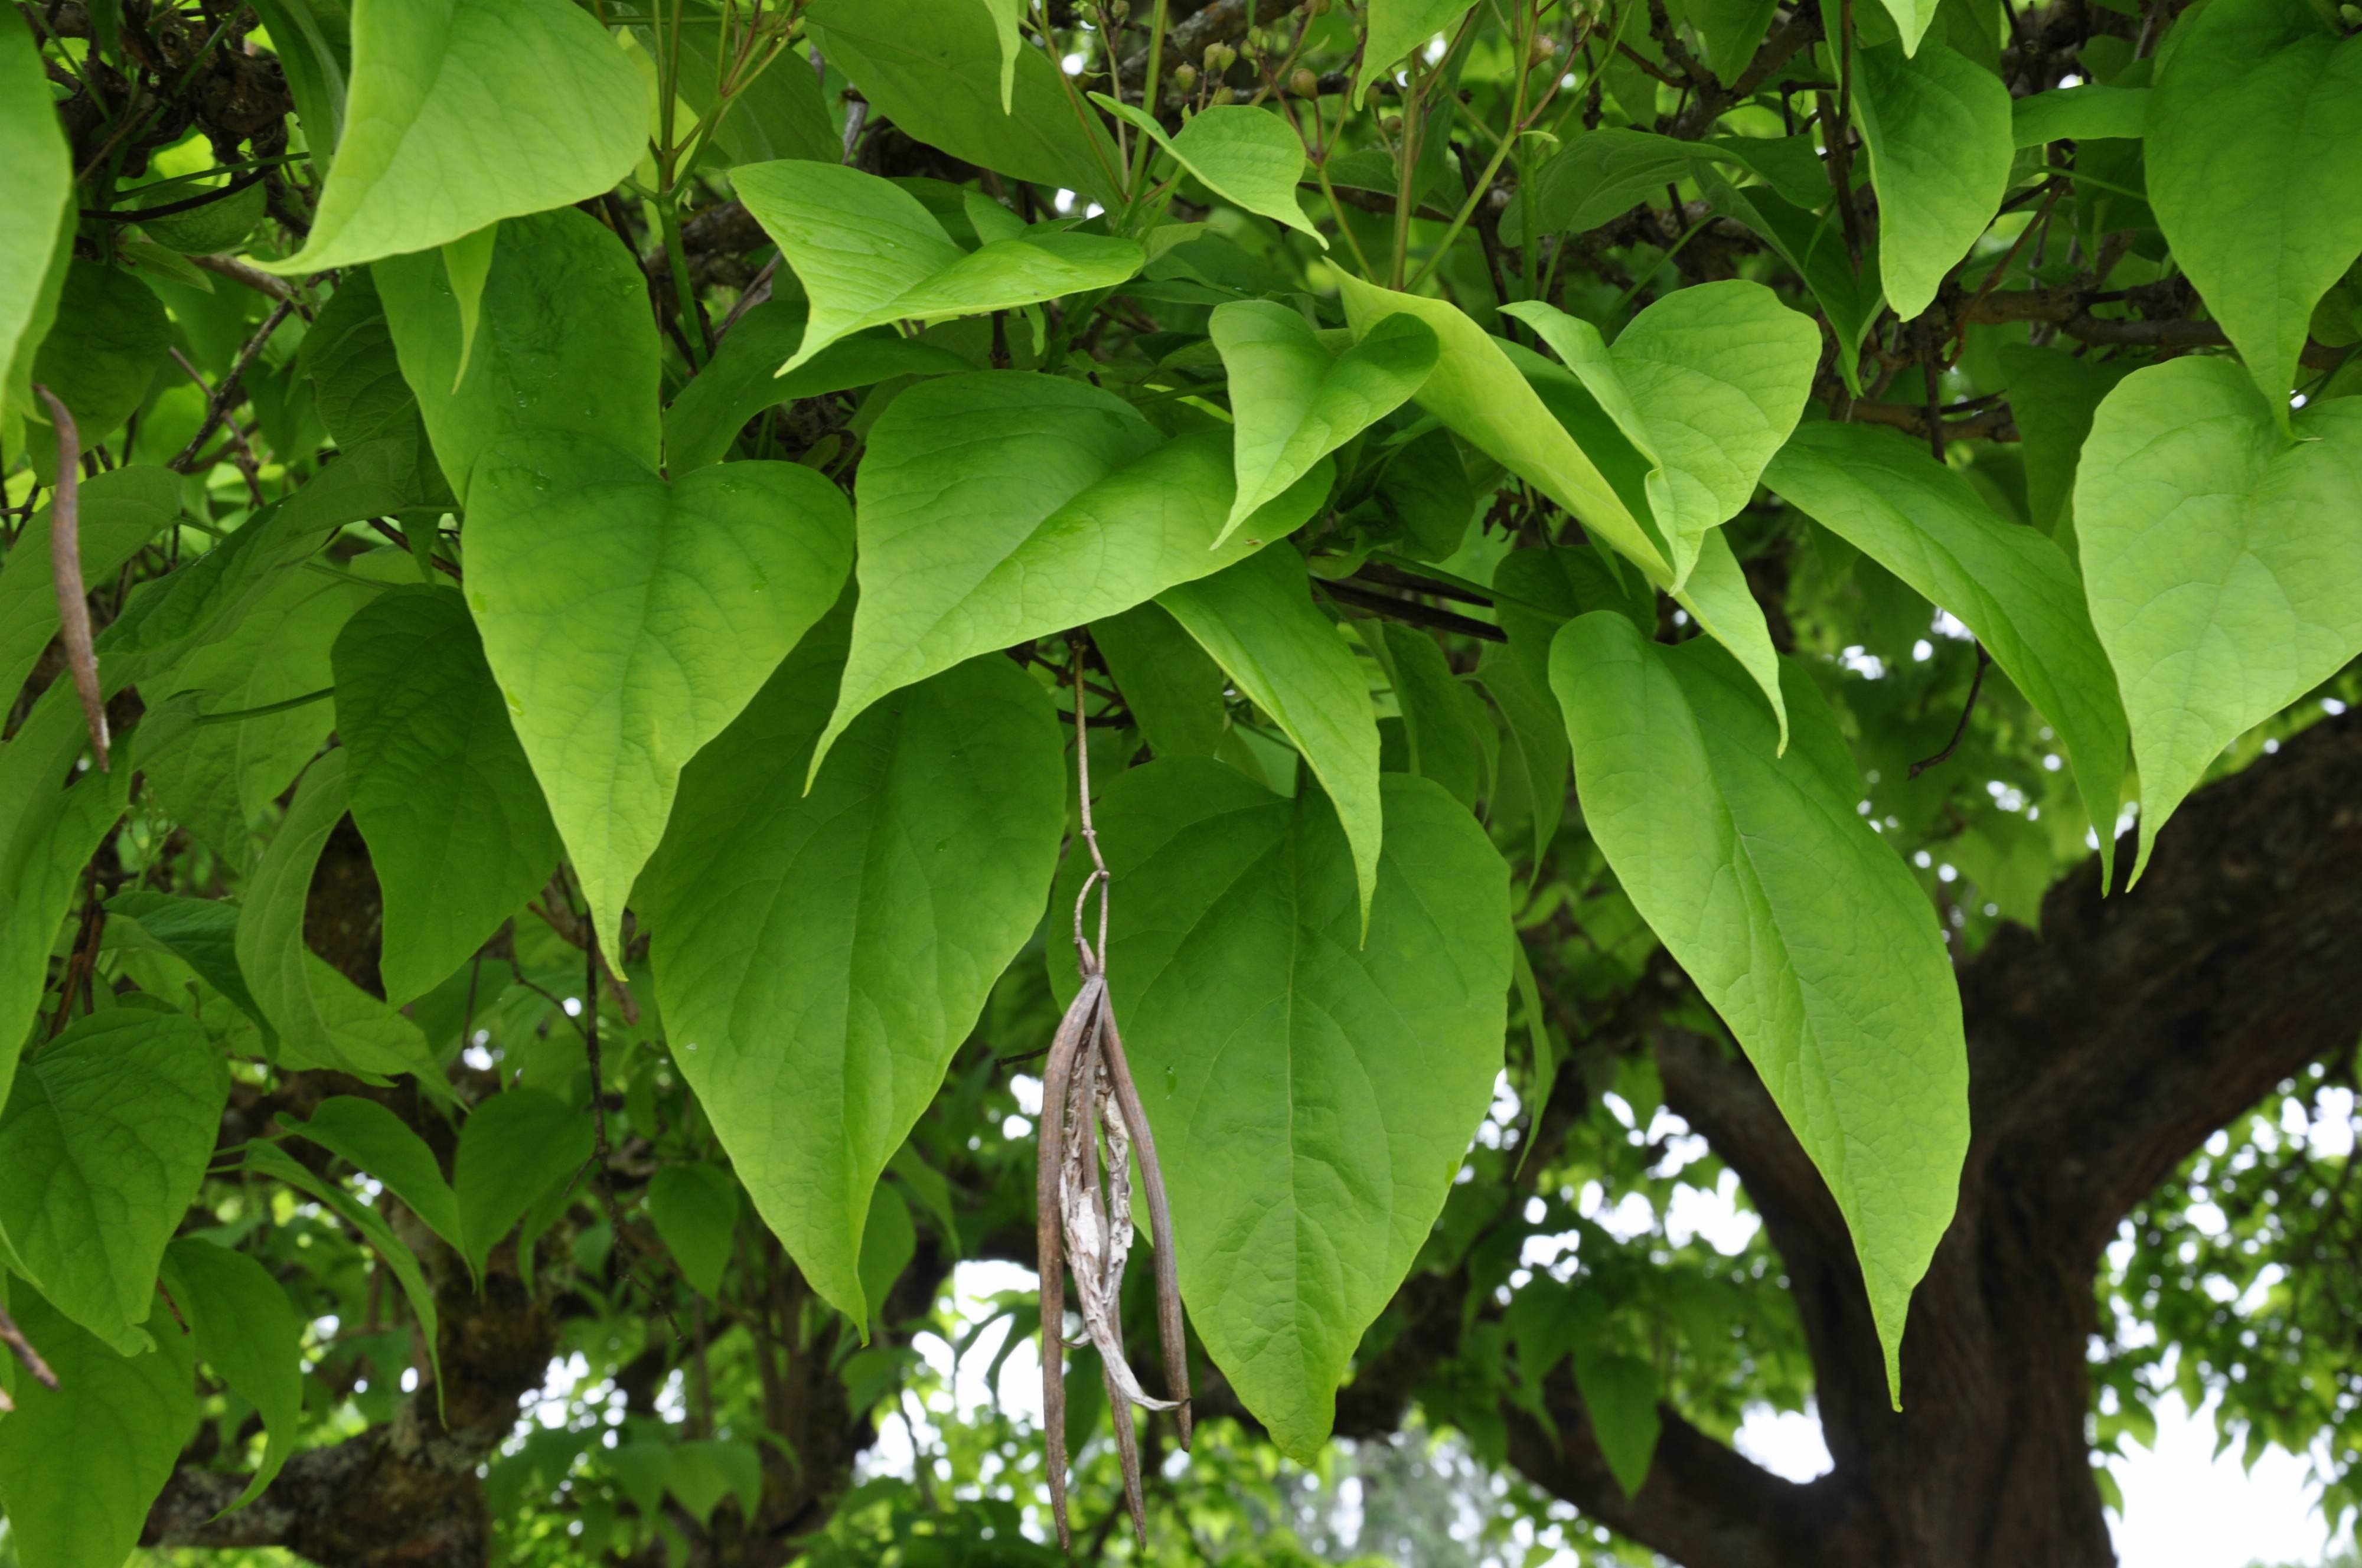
<point>1093,1130</point>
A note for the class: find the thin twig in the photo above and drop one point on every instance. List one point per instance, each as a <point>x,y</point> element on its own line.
<point>217,406</point>
<point>249,466</point>
<point>14,1338</point>
<point>1976,685</point>
<point>65,569</point>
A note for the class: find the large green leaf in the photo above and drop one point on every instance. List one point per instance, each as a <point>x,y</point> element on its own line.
<point>743,378</point>
<point>1398,26</point>
<point>1800,925</point>
<point>629,620</point>
<point>103,352</point>
<point>821,955</point>
<point>1706,382</point>
<point>39,192</point>
<point>514,1147</point>
<point>371,1138</point>
<point>2218,559</point>
<point>1259,621</point>
<point>456,829</point>
<point>2255,170</point>
<point>1937,124</point>
<point>2011,587</point>
<point>102,1146</point>
<point>2092,112</point>
<point>1476,390</point>
<point>867,253</point>
<point>566,344</point>
<point>1312,1092</point>
<point>996,507</point>
<point>201,933</point>
<point>246,1330</point>
<point>934,68</point>
<point>121,510</point>
<point>81,1465</point>
<point>462,115</point>
<point>2053,395</point>
<point>1294,402</point>
<point>318,1018</point>
<point>1248,157</point>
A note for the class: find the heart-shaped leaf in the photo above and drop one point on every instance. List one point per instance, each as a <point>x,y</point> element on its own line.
<point>629,620</point>
<point>1250,157</point>
<point>1938,126</point>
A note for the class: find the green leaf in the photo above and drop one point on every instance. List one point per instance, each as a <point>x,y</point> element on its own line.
<point>467,263</point>
<point>2254,172</point>
<point>867,253</point>
<point>1295,402</point>
<point>201,933</point>
<point>1398,26</point>
<point>821,955</point>
<point>743,379</point>
<point>513,1148</point>
<point>1732,31</point>
<point>995,508</point>
<point>39,195</point>
<point>462,115</point>
<point>1619,1396</point>
<point>888,1241</point>
<point>441,791</point>
<point>1604,173</point>
<point>1259,621</point>
<point>102,1147</point>
<point>629,620</point>
<point>371,1138</point>
<point>568,345</point>
<point>934,67</point>
<point>246,1330</point>
<point>1718,599</point>
<point>1311,1092</point>
<point>1476,390</point>
<point>2218,558</point>
<point>81,1465</point>
<point>1922,521</point>
<point>1800,925</point>
<point>315,67</point>
<point>100,357</point>
<point>318,1016</point>
<point>356,378</point>
<point>1937,124</point>
<point>1450,733</point>
<point>2092,112</point>
<point>1910,19</point>
<point>121,510</point>
<point>1171,687</point>
<point>2053,395</point>
<point>1250,157</point>
<point>1706,383</point>
<point>1815,247</point>
<point>779,113</point>
<point>695,1208</point>
<point>269,1159</point>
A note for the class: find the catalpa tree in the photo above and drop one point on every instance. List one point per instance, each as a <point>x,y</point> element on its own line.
<point>671,666</point>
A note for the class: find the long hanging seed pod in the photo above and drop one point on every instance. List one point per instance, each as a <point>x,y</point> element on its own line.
<point>1093,1129</point>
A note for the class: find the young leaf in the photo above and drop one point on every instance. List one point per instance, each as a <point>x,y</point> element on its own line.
<point>568,343</point>
<point>2013,588</point>
<point>1398,26</point>
<point>1476,390</point>
<point>81,1465</point>
<point>121,510</point>
<point>1259,621</point>
<point>1910,19</point>
<point>629,620</point>
<point>41,190</point>
<point>1619,1396</point>
<point>462,115</point>
<point>246,1330</point>
<point>1937,124</point>
<point>2218,558</point>
<point>441,791</point>
<point>356,380</point>
<point>319,1017</point>
<point>934,68</point>
<point>867,253</point>
<point>1312,1092</point>
<point>821,955</point>
<point>695,1208</point>
<point>743,379</point>
<point>514,1147</point>
<point>1800,925</point>
<point>102,1147</point>
<point>2254,172</point>
<point>371,1138</point>
<point>1248,157</point>
<point>1295,402</point>
<point>995,508</point>
<point>1706,383</point>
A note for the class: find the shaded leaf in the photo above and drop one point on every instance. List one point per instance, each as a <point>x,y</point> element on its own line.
<point>514,1147</point>
<point>246,1330</point>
